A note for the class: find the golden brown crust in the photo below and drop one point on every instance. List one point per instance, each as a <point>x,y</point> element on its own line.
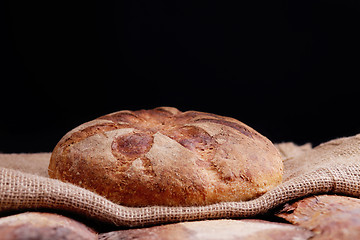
<point>215,229</point>
<point>167,157</point>
<point>43,226</point>
<point>328,216</point>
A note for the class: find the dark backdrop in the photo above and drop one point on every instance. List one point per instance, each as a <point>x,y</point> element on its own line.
<point>289,69</point>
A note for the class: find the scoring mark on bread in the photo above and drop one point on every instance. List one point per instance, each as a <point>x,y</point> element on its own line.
<point>241,128</point>
<point>195,139</point>
<point>132,145</point>
<point>122,116</point>
<point>100,128</point>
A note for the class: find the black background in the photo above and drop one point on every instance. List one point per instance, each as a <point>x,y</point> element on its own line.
<point>289,69</point>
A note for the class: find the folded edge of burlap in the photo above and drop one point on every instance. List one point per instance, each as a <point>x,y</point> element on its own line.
<point>332,167</point>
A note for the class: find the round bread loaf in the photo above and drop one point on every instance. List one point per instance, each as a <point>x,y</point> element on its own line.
<point>167,157</point>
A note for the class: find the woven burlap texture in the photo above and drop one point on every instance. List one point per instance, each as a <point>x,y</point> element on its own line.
<point>332,167</point>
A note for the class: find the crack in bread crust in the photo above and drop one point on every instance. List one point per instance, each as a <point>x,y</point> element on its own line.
<point>131,145</point>
<point>236,126</point>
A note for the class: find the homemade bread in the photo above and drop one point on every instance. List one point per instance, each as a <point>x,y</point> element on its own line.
<point>167,157</point>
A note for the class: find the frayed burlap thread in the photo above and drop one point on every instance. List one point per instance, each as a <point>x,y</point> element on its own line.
<point>335,168</point>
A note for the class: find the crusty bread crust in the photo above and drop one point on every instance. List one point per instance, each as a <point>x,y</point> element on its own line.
<point>167,157</point>
<point>43,226</point>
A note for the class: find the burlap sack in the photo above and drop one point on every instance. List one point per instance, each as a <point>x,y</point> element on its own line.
<point>333,167</point>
